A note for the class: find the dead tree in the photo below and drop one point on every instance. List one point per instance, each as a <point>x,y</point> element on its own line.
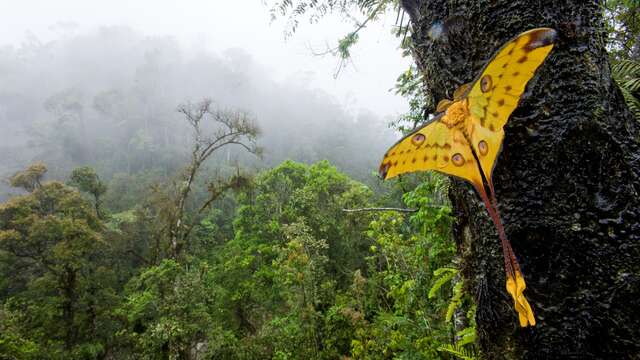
<point>230,128</point>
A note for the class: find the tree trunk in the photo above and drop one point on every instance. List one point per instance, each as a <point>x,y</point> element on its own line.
<point>68,306</point>
<point>567,181</point>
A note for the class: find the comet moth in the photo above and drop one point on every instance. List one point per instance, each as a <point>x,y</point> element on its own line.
<point>465,138</point>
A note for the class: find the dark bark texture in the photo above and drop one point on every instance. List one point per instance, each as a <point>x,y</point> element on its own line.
<point>567,181</point>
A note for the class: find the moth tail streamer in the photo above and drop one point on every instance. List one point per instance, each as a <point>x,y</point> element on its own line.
<point>515,283</point>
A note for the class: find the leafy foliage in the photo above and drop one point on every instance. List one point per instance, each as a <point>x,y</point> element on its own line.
<point>626,73</point>
<point>457,351</point>
<point>623,27</point>
<point>409,85</point>
<point>58,303</point>
<point>295,277</point>
<point>314,10</point>
<point>86,180</point>
<point>30,178</point>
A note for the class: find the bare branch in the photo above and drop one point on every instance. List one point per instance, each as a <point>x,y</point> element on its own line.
<point>232,127</point>
<point>381,209</point>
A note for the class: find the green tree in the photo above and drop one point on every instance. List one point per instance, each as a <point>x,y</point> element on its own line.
<point>86,180</point>
<point>401,300</point>
<point>30,178</point>
<point>300,275</point>
<point>54,237</point>
<point>293,247</point>
<point>169,312</point>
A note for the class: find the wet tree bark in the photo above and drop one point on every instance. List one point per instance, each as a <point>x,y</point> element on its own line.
<point>567,181</point>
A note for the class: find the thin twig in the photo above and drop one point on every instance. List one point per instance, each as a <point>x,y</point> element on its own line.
<point>380,209</point>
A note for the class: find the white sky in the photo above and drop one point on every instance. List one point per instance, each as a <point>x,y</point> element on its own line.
<point>221,24</point>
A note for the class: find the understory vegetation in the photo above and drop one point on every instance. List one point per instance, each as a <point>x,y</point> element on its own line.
<point>275,269</point>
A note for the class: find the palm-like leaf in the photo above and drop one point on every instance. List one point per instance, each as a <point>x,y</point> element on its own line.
<point>626,73</point>
<point>457,351</point>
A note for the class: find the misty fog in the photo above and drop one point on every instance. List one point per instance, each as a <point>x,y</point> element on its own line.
<point>108,98</point>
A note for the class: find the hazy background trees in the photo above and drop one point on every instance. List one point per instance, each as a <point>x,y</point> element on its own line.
<point>109,98</point>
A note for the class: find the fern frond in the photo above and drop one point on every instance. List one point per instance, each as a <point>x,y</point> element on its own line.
<point>439,271</point>
<point>466,336</point>
<point>445,275</point>
<point>456,300</point>
<point>457,351</point>
<point>632,85</point>
<point>625,69</point>
<point>632,102</point>
<point>626,74</point>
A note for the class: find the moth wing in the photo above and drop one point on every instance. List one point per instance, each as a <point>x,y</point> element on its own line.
<point>433,146</point>
<point>496,92</point>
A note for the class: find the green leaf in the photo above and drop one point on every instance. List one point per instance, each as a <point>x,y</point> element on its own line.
<point>445,275</point>
<point>457,351</point>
